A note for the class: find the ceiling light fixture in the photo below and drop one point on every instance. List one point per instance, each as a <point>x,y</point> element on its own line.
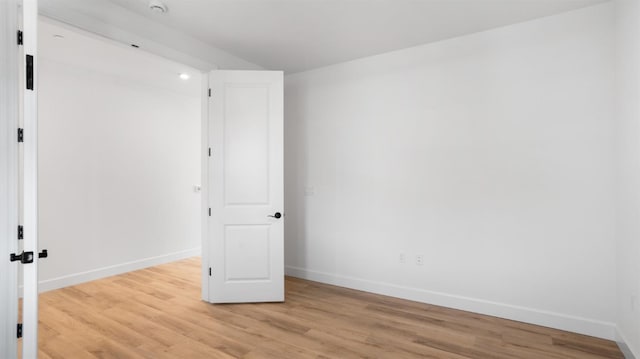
<point>185,76</point>
<point>157,7</point>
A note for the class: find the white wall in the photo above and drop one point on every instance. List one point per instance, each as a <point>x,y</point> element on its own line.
<point>119,156</point>
<point>628,182</point>
<point>490,155</point>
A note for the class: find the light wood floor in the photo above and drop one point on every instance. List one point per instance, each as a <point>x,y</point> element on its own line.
<point>157,313</point>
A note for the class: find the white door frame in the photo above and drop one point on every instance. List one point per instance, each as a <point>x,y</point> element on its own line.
<point>9,114</point>
<point>204,184</point>
<point>30,185</point>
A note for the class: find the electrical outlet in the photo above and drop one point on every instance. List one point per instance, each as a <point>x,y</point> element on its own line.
<point>419,259</point>
<point>309,190</point>
<point>402,258</point>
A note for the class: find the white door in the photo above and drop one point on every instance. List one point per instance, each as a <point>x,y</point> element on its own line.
<point>245,187</point>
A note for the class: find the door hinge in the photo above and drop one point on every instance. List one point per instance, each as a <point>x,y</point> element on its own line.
<point>20,135</point>
<point>209,151</point>
<point>19,330</point>
<point>19,37</point>
<point>20,232</point>
<point>209,92</point>
<point>209,271</point>
<point>29,72</point>
<point>209,211</point>
<point>24,257</point>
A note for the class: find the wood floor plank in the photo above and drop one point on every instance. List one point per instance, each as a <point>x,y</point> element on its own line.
<point>157,313</point>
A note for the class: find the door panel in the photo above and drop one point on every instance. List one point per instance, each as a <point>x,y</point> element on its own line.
<point>245,187</point>
<point>246,138</point>
<point>246,253</point>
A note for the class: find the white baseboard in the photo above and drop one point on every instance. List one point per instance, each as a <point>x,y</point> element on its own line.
<point>624,347</point>
<point>77,278</point>
<point>560,321</point>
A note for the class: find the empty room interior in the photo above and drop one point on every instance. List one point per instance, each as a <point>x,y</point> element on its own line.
<point>320,179</point>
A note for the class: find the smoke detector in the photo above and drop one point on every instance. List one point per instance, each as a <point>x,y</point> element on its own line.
<point>157,7</point>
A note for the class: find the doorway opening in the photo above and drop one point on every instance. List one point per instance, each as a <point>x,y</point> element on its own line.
<point>119,157</point>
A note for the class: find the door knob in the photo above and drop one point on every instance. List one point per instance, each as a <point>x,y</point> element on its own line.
<point>276,215</point>
<point>24,257</point>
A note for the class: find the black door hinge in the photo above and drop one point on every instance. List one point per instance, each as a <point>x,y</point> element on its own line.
<point>209,151</point>
<point>20,135</point>
<point>20,232</point>
<point>19,330</point>
<point>209,211</point>
<point>29,72</point>
<point>24,257</point>
<point>209,92</point>
<point>209,271</point>
<point>19,37</point>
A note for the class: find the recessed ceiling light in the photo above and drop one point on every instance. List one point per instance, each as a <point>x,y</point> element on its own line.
<point>185,76</point>
<point>157,7</point>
